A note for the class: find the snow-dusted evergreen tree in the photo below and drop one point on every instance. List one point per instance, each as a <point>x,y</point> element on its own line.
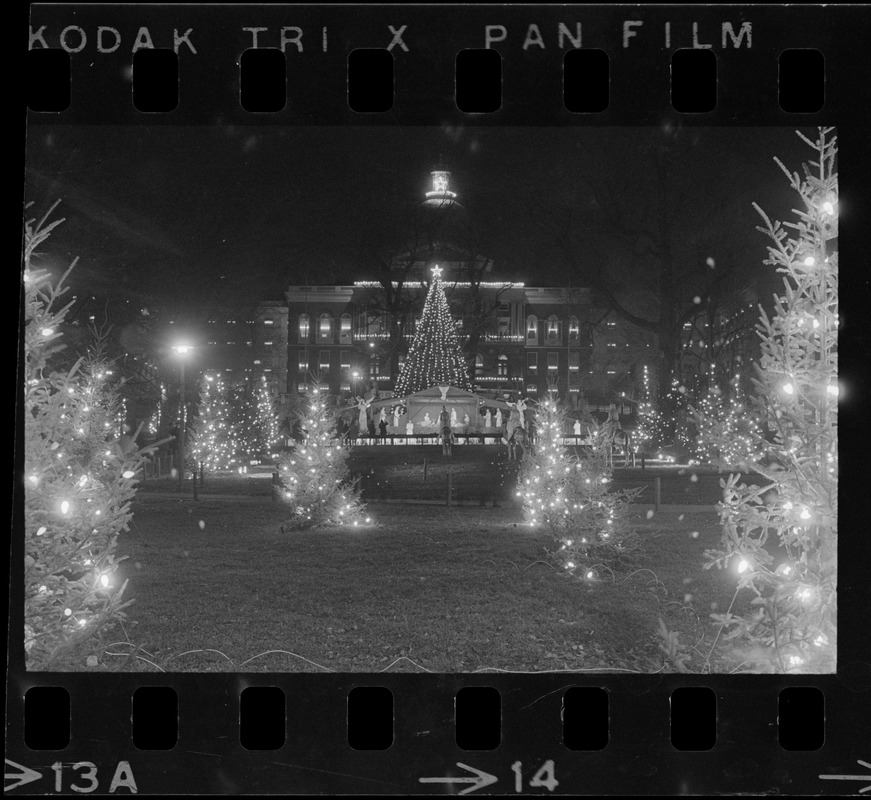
<point>781,537</point>
<point>214,442</point>
<point>434,358</point>
<point>79,480</point>
<point>317,484</point>
<point>569,496</point>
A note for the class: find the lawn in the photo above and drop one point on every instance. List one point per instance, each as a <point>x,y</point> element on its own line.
<point>218,587</point>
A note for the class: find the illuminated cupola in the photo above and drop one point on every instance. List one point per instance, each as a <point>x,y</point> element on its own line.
<point>441,191</point>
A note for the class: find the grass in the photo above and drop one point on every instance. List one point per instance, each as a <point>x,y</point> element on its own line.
<point>218,587</point>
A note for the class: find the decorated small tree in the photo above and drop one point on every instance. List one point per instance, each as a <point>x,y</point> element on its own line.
<point>267,419</point>
<point>434,358</point>
<point>728,433</point>
<point>317,487</point>
<point>79,480</point>
<point>781,537</point>
<point>255,422</point>
<point>214,443</point>
<point>569,497</point>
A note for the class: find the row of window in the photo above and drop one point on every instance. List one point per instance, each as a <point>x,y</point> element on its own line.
<point>552,327</point>
<point>325,359</point>
<point>325,327</point>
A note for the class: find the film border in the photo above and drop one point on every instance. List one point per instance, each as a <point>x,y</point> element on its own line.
<point>316,756</point>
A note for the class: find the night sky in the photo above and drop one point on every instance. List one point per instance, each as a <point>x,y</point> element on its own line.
<point>176,211</point>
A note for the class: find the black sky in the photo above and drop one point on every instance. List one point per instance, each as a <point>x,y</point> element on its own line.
<point>166,209</point>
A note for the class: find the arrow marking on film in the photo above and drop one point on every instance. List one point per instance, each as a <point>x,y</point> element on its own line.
<point>852,777</point>
<point>24,775</point>
<point>480,780</point>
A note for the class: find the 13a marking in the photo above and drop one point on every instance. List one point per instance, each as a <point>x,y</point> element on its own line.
<point>545,777</point>
<point>85,780</point>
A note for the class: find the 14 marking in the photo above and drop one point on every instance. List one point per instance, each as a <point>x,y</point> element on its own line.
<point>544,777</point>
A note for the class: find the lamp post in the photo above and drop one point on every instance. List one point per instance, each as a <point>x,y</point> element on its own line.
<point>182,350</point>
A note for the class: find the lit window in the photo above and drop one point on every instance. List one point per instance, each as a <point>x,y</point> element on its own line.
<point>346,324</point>
<point>574,360</point>
<point>611,344</point>
<point>256,360</point>
<point>345,359</point>
<point>574,329</point>
<point>268,322</point>
<point>303,327</point>
<point>552,328</point>
<point>552,361</point>
<point>325,327</point>
<point>532,361</point>
<point>502,366</point>
<point>267,369</point>
<point>531,388</point>
<point>267,344</point>
<point>532,327</point>
<point>325,359</point>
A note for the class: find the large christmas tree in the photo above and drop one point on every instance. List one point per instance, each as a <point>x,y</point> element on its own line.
<point>79,479</point>
<point>434,358</point>
<point>781,537</point>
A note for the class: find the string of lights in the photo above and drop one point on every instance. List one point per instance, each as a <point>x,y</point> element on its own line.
<point>434,358</point>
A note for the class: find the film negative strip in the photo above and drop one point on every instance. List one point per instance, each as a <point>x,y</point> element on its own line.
<point>263,194</point>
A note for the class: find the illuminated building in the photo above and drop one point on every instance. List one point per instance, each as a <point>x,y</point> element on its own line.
<point>516,338</point>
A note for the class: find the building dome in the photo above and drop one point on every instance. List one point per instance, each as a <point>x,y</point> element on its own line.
<point>442,226</point>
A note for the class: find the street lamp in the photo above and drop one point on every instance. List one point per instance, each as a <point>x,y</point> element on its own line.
<point>182,350</point>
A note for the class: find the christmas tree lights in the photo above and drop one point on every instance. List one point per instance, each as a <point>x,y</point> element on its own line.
<point>79,481</point>
<point>434,358</point>
<point>316,481</point>
<point>254,420</point>
<point>728,432</point>
<point>266,419</point>
<point>570,498</point>
<point>781,538</point>
<point>214,442</point>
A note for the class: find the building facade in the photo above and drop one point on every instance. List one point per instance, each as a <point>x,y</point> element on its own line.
<point>517,339</point>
